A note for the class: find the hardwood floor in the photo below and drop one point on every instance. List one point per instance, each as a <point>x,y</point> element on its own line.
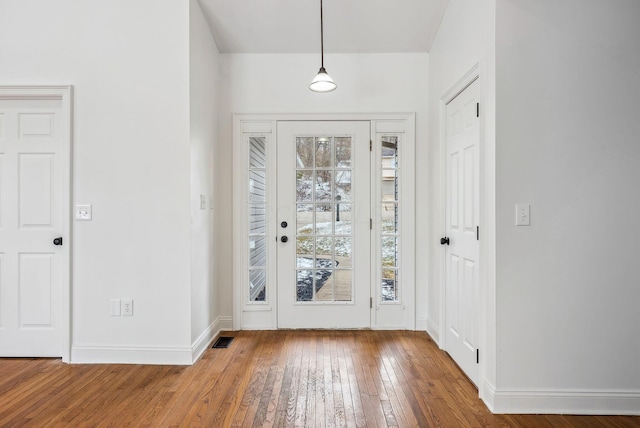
<point>265,379</point>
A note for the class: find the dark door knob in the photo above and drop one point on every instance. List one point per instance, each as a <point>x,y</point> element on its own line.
<point>57,241</point>
<point>444,241</point>
<point>284,224</point>
<point>284,239</point>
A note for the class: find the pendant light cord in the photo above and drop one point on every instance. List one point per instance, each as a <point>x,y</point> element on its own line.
<point>321,38</point>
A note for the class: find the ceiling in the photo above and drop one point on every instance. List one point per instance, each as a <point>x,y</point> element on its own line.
<point>350,26</point>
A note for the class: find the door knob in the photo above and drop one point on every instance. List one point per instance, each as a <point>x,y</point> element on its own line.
<point>284,224</point>
<point>284,239</point>
<point>57,241</point>
<point>444,241</point>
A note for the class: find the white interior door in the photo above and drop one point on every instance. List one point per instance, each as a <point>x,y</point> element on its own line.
<point>323,220</point>
<point>462,213</point>
<point>33,181</point>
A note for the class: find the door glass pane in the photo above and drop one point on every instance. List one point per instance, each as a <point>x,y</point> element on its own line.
<point>323,185</point>
<point>304,248</point>
<point>304,279</point>
<point>343,152</point>
<point>304,152</point>
<point>257,252</point>
<point>257,185</point>
<point>324,260</point>
<point>257,285</point>
<point>389,217</point>
<point>343,219</point>
<point>390,220</point>
<point>324,252</point>
<point>342,185</point>
<point>324,219</point>
<point>323,152</point>
<point>304,186</point>
<point>257,152</point>
<point>343,253</point>
<point>257,196</point>
<point>389,251</point>
<point>325,285</point>
<point>389,285</point>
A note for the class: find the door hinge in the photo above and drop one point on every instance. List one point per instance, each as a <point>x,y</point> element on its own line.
<point>477,356</point>
<point>370,224</point>
<point>477,233</point>
<point>477,109</point>
<point>370,145</point>
<point>370,302</point>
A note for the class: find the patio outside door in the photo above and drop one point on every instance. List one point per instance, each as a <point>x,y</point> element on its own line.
<point>323,224</point>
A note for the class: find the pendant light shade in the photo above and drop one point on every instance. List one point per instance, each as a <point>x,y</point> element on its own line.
<point>322,82</point>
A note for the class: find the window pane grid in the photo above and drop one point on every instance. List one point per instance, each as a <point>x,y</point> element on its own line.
<point>323,219</point>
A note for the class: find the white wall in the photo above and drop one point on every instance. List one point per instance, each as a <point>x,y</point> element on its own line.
<point>129,64</point>
<point>279,84</point>
<point>465,39</point>
<point>568,132</point>
<point>204,83</point>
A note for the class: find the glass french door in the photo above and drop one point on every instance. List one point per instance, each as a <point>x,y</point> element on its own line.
<point>323,224</point>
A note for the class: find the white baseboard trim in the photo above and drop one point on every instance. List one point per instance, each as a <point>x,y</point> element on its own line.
<point>83,354</point>
<point>226,323</point>
<point>421,323</point>
<point>204,340</point>
<point>487,393</point>
<point>433,330</point>
<point>157,355</point>
<point>576,402</point>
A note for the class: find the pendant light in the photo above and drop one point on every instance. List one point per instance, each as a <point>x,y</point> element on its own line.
<point>322,82</point>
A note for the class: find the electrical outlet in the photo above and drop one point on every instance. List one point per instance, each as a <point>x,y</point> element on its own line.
<point>127,307</point>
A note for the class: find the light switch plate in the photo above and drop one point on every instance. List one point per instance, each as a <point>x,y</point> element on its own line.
<point>83,212</point>
<point>523,212</point>
<point>114,307</point>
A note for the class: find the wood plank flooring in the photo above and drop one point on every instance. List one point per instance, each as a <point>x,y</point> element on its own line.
<point>268,379</point>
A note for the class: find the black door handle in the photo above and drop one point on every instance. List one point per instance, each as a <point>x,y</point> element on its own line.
<point>284,239</point>
<point>444,241</point>
<point>57,241</point>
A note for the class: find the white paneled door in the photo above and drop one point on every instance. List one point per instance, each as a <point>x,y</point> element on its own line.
<point>323,224</point>
<point>34,256</point>
<point>461,240</point>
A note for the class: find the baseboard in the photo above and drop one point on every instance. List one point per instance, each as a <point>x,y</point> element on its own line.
<point>433,331</point>
<point>576,402</point>
<point>226,323</point>
<point>202,343</point>
<point>421,323</point>
<point>131,355</point>
<point>487,393</point>
<point>89,354</point>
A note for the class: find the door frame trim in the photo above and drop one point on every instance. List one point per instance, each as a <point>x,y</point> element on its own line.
<point>64,93</point>
<point>265,124</point>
